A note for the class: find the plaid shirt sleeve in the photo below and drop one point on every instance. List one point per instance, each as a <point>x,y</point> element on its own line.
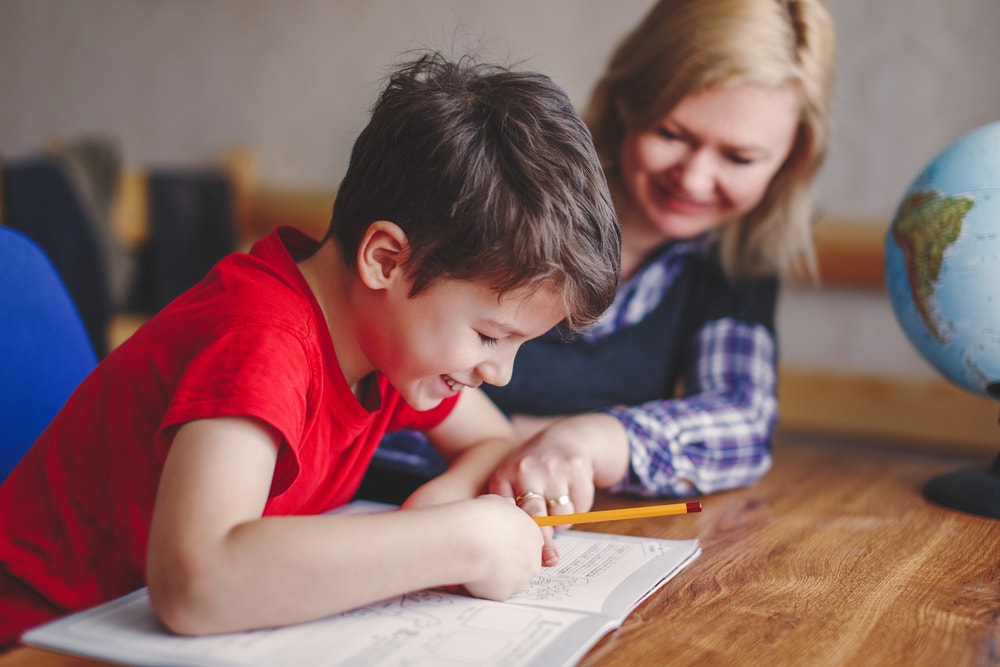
<point>718,436</point>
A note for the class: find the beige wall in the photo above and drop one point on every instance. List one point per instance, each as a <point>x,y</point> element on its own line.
<point>179,81</point>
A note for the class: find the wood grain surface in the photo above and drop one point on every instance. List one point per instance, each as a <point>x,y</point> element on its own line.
<point>834,558</point>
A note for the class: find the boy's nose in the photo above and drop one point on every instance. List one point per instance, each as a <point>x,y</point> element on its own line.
<point>498,371</point>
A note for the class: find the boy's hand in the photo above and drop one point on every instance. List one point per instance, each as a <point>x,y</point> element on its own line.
<point>511,546</point>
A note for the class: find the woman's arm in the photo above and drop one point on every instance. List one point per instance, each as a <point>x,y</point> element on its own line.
<point>718,436</point>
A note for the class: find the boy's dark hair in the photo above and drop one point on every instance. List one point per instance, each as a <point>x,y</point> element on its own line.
<point>492,176</point>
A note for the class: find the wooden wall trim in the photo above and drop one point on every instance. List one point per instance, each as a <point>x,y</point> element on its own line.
<point>308,210</point>
<point>851,253</point>
<point>915,414</point>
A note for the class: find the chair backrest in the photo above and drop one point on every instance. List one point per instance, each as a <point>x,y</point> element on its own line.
<point>44,348</point>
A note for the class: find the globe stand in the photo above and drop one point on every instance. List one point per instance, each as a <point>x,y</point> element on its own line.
<point>971,490</point>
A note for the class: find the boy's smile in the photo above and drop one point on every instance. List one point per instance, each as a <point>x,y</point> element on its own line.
<point>455,385</point>
<point>453,335</point>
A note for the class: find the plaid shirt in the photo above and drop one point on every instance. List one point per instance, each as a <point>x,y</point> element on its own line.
<point>718,435</point>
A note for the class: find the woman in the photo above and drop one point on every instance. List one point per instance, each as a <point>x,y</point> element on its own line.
<point>711,123</point>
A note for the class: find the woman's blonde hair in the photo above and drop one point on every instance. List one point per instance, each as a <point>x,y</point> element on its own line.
<point>687,46</point>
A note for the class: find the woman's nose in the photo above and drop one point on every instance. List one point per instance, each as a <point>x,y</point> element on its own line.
<point>696,174</point>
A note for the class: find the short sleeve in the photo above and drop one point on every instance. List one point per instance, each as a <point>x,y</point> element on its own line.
<point>256,370</point>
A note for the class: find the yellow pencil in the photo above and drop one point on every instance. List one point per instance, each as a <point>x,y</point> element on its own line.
<point>616,515</point>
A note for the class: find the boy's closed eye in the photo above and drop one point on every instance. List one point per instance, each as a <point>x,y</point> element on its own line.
<point>667,133</point>
<point>740,159</point>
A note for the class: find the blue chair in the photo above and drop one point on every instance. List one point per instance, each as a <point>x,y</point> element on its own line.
<point>44,348</point>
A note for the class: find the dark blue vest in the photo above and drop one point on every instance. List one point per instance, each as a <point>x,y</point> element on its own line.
<point>555,375</point>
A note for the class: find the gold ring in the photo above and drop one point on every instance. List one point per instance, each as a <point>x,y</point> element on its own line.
<point>528,495</point>
<point>564,499</point>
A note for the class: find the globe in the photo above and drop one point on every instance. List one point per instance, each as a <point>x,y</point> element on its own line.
<point>942,274</point>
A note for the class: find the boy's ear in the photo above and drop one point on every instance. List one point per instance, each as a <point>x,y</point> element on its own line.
<point>381,254</point>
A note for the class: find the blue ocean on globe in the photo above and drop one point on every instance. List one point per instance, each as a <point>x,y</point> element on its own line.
<point>942,262</point>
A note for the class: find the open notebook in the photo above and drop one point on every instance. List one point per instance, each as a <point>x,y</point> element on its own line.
<point>554,621</point>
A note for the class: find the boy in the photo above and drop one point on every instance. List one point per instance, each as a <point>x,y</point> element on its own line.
<point>198,456</point>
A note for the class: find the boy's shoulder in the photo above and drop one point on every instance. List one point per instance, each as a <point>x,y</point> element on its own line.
<point>264,283</point>
<point>261,289</point>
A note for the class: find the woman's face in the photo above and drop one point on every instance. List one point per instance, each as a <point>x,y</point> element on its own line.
<point>708,161</point>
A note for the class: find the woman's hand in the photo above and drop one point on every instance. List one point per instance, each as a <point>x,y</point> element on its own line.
<point>557,470</point>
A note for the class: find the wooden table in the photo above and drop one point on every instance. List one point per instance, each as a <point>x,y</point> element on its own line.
<point>834,558</point>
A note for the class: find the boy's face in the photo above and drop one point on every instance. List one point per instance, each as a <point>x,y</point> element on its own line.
<point>454,334</point>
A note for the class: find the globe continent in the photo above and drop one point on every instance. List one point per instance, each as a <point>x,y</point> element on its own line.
<point>943,262</point>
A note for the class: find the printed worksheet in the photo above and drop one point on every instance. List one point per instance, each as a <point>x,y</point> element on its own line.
<point>563,612</point>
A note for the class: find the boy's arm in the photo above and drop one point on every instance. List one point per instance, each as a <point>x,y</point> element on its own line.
<point>215,564</point>
<point>474,438</point>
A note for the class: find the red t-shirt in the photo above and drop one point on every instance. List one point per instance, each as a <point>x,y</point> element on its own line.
<point>249,340</point>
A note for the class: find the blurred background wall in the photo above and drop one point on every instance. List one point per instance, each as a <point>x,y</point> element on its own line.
<point>178,82</point>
